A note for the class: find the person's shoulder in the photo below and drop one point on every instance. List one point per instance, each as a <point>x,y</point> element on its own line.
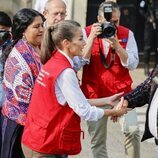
<point>88,27</point>
<point>123,28</point>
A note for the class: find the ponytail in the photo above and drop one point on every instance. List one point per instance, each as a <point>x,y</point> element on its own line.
<point>47,45</point>
<point>54,35</point>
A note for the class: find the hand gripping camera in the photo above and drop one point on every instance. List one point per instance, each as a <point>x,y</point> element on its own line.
<point>4,36</point>
<point>108,27</point>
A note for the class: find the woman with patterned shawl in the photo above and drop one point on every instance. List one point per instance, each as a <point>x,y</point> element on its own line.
<point>21,69</point>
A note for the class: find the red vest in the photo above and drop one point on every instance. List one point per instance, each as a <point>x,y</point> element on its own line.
<point>50,127</point>
<point>98,81</point>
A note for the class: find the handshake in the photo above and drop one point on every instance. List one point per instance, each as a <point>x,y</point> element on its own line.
<point>118,109</point>
<point>121,108</point>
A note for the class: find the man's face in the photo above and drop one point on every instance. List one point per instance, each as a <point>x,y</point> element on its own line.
<point>55,12</point>
<point>116,17</point>
<point>34,32</point>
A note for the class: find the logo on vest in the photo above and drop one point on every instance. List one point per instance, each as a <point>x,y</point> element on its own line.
<point>124,40</point>
<point>40,77</point>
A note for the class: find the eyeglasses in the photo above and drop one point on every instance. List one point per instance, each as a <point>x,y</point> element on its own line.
<point>55,14</point>
<point>115,21</point>
<point>58,13</point>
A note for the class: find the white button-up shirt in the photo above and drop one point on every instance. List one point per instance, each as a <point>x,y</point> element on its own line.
<point>67,89</point>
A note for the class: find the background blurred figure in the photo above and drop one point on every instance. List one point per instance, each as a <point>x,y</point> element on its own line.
<point>21,69</point>
<point>5,39</point>
<point>149,9</point>
<point>40,4</point>
<point>54,12</point>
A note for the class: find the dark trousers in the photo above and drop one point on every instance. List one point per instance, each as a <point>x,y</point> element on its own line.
<point>11,139</point>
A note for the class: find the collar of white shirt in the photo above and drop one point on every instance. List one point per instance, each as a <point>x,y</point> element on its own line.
<point>67,57</point>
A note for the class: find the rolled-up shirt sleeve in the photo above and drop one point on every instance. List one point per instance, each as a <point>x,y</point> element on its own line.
<point>68,84</point>
<point>132,51</point>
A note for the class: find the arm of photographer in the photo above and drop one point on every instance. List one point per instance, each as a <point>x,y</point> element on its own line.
<point>128,55</point>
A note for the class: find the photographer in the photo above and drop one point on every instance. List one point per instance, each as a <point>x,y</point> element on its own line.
<point>5,39</point>
<point>108,73</point>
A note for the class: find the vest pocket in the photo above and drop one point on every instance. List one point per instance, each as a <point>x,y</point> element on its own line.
<point>38,130</point>
<point>70,141</point>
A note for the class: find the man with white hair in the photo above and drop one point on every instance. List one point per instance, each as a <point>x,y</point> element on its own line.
<point>40,5</point>
<point>54,11</point>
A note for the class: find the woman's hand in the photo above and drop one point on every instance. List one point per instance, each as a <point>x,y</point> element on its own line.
<point>123,104</point>
<point>114,99</point>
<point>117,111</point>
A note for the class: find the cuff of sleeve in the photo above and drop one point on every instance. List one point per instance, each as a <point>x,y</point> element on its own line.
<point>100,113</point>
<point>125,65</point>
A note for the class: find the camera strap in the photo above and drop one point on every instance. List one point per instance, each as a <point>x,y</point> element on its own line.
<point>103,60</point>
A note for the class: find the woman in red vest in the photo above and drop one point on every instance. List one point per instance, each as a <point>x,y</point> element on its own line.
<point>53,121</point>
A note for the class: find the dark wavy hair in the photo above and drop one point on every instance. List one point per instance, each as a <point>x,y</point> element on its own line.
<point>21,20</point>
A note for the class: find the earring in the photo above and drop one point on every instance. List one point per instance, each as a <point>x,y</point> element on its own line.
<point>23,37</point>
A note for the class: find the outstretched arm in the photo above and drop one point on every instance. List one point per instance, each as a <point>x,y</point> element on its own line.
<point>112,100</point>
<point>141,94</point>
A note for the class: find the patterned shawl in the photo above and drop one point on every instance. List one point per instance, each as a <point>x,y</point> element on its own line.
<point>21,70</point>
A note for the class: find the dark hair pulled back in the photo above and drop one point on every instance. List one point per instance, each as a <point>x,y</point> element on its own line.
<point>54,35</point>
<point>21,20</point>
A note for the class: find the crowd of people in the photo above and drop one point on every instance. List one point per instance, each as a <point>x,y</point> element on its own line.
<point>43,101</point>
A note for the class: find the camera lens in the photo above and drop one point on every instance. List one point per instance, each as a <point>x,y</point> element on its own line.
<point>108,30</point>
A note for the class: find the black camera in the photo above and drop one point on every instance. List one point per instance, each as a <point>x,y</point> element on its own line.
<point>4,36</point>
<point>108,27</point>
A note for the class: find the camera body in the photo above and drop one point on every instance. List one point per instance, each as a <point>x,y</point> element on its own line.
<point>108,27</point>
<point>4,36</point>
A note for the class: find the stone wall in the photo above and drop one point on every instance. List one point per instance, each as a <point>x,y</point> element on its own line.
<point>12,6</point>
<point>76,9</point>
